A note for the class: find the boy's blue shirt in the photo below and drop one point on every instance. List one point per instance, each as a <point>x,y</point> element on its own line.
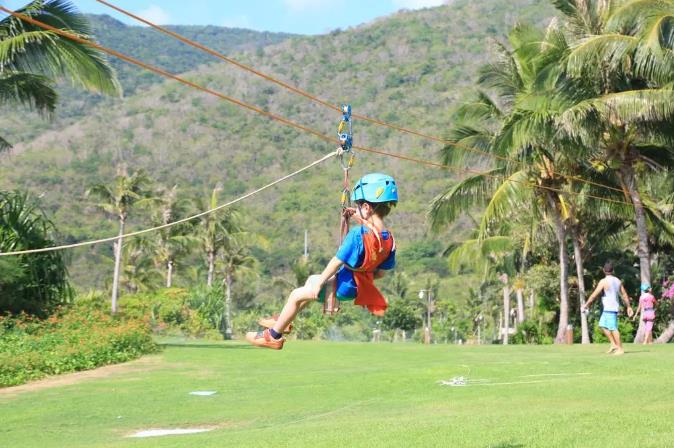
<point>352,253</point>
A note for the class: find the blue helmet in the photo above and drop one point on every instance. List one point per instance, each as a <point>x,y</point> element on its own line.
<point>374,188</point>
<point>645,287</point>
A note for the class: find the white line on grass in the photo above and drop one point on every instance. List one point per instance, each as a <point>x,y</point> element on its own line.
<point>555,374</point>
<point>203,393</point>
<point>511,383</point>
<point>168,432</point>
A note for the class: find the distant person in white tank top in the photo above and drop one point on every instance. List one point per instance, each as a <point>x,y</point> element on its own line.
<point>611,286</point>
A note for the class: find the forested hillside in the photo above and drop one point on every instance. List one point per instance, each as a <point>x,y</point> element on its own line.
<point>145,44</point>
<point>411,68</point>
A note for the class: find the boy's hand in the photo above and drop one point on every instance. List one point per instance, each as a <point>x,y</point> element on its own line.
<point>349,212</point>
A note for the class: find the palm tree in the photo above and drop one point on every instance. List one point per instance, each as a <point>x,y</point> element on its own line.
<point>215,229</point>
<point>234,259</point>
<point>623,58</point>
<point>138,272</point>
<point>519,126</point>
<point>174,241</point>
<point>117,200</point>
<point>31,57</point>
<point>490,255</point>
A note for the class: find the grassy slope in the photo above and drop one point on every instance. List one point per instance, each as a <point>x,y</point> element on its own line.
<point>375,396</point>
<point>409,68</point>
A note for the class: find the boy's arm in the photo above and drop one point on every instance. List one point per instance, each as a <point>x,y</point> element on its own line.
<point>595,293</point>
<point>626,300</point>
<point>330,270</point>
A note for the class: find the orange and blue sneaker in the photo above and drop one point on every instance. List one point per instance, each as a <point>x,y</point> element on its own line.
<point>269,322</point>
<point>264,339</point>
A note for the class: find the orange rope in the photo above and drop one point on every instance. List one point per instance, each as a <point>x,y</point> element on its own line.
<point>273,116</point>
<point>332,106</point>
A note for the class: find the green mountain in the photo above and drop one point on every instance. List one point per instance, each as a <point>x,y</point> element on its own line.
<point>150,46</point>
<point>410,68</point>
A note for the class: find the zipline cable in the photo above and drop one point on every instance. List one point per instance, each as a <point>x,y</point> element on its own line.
<point>279,118</point>
<point>180,221</point>
<point>330,105</point>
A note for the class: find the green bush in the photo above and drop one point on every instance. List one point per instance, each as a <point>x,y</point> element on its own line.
<point>76,338</point>
<point>528,332</point>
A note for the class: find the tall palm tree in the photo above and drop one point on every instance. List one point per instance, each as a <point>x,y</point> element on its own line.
<point>490,255</point>
<point>234,260</point>
<point>31,58</point>
<point>138,272</point>
<point>623,55</point>
<point>175,241</point>
<point>519,125</point>
<point>216,229</point>
<point>117,200</point>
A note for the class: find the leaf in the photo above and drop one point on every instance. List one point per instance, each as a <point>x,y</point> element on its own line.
<point>460,197</point>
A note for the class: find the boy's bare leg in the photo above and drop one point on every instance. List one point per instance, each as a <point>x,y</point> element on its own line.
<point>296,301</point>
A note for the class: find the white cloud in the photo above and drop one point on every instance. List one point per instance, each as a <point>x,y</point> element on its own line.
<point>155,14</point>
<point>418,4</point>
<point>303,5</point>
<point>237,22</point>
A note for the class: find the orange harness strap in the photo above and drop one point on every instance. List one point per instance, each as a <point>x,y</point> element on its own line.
<point>377,250</point>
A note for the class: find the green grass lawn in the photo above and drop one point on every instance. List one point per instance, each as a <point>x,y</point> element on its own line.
<point>371,395</point>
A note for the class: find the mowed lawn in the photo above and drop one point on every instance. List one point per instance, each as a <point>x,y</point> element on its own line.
<point>318,394</point>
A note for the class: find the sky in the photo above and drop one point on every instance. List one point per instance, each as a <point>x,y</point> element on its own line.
<point>292,16</point>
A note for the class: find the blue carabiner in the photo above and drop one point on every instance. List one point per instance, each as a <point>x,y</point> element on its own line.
<point>345,135</point>
<point>346,112</point>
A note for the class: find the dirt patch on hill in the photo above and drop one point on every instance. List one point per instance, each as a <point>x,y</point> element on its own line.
<point>145,364</point>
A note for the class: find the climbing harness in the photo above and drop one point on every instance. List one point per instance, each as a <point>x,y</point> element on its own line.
<point>346,159</point>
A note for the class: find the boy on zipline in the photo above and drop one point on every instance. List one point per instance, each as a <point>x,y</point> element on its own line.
<point>366,251</point>
<point>611,286</point>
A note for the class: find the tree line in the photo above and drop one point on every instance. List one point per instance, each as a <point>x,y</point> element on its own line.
<point>559,114</point>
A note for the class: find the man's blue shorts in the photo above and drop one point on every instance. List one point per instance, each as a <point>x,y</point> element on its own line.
<point>609,320</point>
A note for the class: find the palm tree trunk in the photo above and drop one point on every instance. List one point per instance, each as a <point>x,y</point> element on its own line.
<point>169,273</point>
<point>578,257</point>
<point>560,232</point>
<point>506,314</point>
<point>520,305</point>
<point>506,308</point>
<point>228,306</point>
<point>643,252</point>
<point>118,262</point>
<point>666,335</point>
<point>211,267</point>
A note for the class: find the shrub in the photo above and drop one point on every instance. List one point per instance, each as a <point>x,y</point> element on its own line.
<point>528,332</point>
<point>76,338</point>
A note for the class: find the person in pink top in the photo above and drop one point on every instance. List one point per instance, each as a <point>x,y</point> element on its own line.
<point>647,306</point>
